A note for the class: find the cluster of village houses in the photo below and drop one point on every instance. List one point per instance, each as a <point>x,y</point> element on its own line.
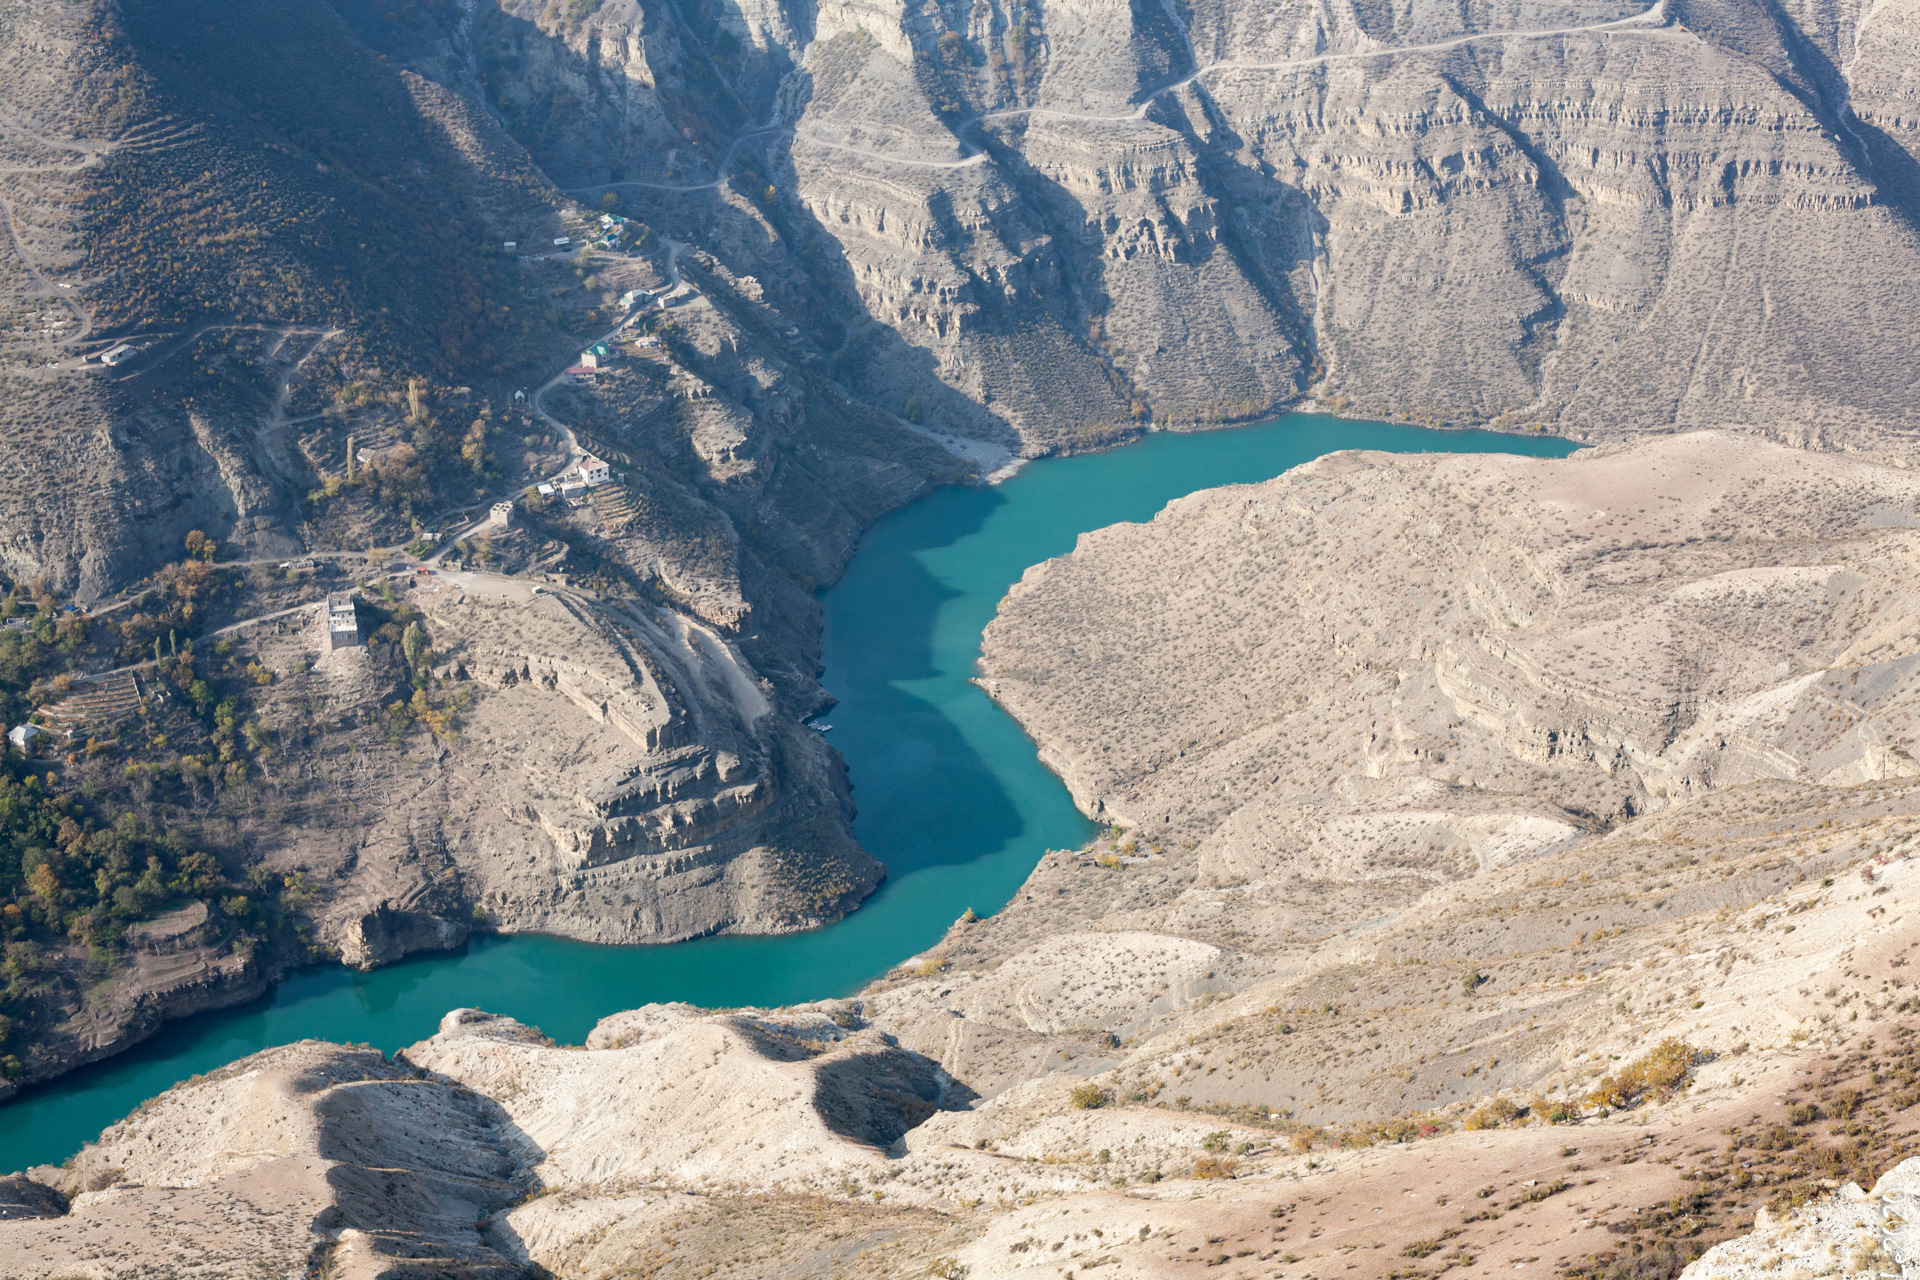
<point>612,234</point>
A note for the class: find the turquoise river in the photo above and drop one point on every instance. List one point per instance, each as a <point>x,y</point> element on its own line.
<point>951,796</point>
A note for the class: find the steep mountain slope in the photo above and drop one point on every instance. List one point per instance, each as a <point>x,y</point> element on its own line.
<point>294,251</point>
<point>230,190</point>
<point>1593,217</point>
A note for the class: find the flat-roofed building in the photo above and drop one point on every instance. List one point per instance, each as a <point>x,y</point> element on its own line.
<point>343,621</point>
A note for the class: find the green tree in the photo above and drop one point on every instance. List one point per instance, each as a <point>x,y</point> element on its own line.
<point>413,642</point>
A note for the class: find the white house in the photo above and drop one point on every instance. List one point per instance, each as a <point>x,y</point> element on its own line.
<point>23,736</point>
<point>594,471</point>
<point>121,353</point>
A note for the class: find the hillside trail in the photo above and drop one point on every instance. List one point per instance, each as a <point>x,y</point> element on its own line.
<point>536,407</point>
<point>1644,22</point>
<point>91,152</point>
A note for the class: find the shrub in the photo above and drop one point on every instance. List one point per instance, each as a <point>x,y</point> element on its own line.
<point>1492,1115</point>
<point>1215,1167</point>
<point>1090,1097</point>
<point>1659,1072</point>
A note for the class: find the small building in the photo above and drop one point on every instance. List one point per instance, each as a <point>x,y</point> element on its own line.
<point>581,373</point>
<point>118,355</point>
<point>343,621</point>
<point>597,356</point>
<point>510,246</point>
<point>23,736</point>
<point>573,492</point>
<point>594,471</point>
<point>544,490</point>
<point>633,298</point>
<point>500,515</point>
<point>562,242</point>
<point>646,342</point>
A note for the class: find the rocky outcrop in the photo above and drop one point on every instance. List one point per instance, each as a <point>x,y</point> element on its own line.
<point>384,935</point>
<point>187,962</point>
<point>304,1157</point>
<point>22,1197</point>
<point>1850,1231</point>
<point>611,771</point>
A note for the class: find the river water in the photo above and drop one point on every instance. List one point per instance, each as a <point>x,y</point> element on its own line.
<point>950,793</point>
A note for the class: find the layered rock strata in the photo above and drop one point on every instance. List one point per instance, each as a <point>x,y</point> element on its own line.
<point>1060,224</point>
<point>618,775</point>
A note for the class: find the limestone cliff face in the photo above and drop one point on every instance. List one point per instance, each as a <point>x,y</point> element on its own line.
<point>1081,216</point>
<point>1036,225</point>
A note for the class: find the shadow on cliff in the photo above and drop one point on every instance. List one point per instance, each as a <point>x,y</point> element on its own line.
<point>421,1167</point>
<point>878,1098</point>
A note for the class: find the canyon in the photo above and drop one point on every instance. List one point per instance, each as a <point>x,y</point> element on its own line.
<point>1195,1036</point>
<point>1427,784</point>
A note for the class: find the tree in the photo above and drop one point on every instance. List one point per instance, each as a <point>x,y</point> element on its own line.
<point>413,642</point>
<point>609,200</point>
<point>200,546</point>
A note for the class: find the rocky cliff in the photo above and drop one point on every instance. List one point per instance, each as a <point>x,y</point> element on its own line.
<point>1603,219</point>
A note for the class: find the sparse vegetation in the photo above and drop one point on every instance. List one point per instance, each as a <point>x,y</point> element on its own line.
<point>1659,1073</point>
